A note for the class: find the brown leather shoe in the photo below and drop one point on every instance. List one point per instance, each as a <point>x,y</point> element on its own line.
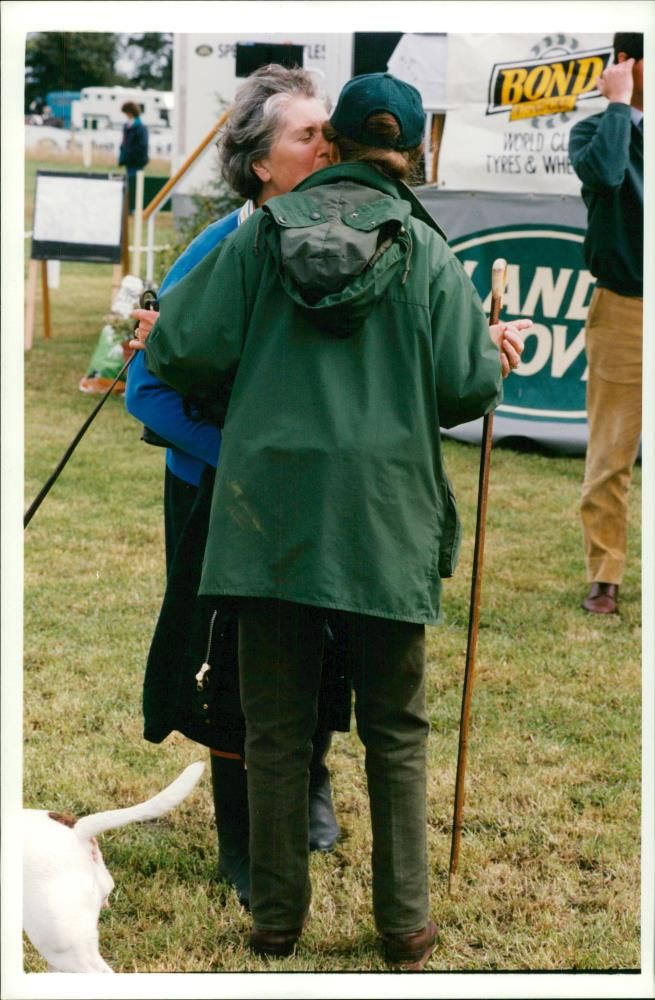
<point>276,944</point>
<point>410,952</point>
<point>602,599</point>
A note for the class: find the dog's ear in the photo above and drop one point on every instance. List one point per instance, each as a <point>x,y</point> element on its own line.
<point>64,818</point>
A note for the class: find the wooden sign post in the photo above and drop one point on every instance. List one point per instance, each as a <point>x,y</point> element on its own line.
<point>77,216</point>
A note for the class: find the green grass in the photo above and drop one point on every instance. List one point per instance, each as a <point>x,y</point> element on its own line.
<point>549,872</point>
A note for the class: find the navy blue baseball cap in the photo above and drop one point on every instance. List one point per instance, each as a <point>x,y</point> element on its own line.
<point>365,95</point>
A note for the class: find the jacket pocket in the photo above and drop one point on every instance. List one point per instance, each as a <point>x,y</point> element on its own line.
<point>451,536</point>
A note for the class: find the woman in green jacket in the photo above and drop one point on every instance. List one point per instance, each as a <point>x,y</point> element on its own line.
<point>332,335</point>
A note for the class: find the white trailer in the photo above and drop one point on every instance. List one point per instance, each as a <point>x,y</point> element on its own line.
<point>100,107</point>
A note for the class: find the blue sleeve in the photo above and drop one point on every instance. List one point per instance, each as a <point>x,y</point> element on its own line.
<point>156,404</point>
<point>162,410</point>
<point>198,249</point>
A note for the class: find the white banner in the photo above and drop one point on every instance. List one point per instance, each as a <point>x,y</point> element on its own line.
<point>512,101</point>
<point>160,141</point>
<point>421,60</point>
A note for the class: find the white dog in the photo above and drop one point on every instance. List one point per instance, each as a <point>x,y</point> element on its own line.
<point>65,881</point>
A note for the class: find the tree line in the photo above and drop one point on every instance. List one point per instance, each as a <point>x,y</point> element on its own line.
<point>70,60</point>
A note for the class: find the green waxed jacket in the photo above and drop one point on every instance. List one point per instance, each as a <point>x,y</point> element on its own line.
<point>337,332</point>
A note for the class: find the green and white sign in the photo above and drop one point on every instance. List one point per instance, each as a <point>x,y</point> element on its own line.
<point>547,282</point>
<point>541,238</point>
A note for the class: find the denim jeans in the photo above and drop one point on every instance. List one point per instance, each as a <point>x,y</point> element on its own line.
<point>280,653</point>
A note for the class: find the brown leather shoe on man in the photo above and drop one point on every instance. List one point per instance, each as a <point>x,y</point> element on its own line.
<point>273,944</point>
<point>602,599</point>
<point>410,952</point>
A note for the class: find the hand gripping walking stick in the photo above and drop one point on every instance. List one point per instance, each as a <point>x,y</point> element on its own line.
<point>498,272</point>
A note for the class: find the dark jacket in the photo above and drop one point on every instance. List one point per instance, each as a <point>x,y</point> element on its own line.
<point>345,333</point>
<point>607,153</point>
<point>134,147</point>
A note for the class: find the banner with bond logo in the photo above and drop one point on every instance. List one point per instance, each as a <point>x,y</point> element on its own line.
<point>512,101</point>
<point>541,238</point>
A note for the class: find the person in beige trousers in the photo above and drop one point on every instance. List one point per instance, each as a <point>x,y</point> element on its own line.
<point>606,151</point>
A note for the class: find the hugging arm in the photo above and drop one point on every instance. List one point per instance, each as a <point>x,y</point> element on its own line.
<point>196,343</point>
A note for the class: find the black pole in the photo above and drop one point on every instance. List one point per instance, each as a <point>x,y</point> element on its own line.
<point>45,489</point>
<point>147,300</point>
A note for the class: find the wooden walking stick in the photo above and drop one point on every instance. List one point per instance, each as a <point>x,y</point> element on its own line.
<point>498,272</point>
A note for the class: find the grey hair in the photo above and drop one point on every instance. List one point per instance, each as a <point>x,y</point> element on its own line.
<point>255,119</point>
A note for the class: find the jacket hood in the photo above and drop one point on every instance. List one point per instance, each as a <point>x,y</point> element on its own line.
<point>370,176</point>
<point>339,239</point>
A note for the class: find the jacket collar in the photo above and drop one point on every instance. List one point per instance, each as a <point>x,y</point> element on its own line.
<point>370,176</point>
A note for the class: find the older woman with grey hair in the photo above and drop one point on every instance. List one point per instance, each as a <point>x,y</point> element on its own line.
<point>276,112</point>
<point>273,140</point>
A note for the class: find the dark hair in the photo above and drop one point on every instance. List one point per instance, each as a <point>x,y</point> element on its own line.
<point>130,108</point>
<point>400,164</point>
<point>630,42</point>
<point>255,119</point>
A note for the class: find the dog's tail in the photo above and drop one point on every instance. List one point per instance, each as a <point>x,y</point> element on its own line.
<point>171,796</point>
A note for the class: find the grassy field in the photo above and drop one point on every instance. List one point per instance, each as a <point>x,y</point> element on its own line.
<point>550,859</point>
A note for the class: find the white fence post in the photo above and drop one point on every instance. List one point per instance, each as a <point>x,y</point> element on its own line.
<point>150,257</point>
<point>138,225</point>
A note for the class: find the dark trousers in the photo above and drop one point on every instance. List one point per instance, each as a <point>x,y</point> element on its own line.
<point>179,498</point>
<point>191,630</point>
<point>280,655</point>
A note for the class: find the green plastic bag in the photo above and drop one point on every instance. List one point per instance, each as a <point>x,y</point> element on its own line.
<point>108,357</point>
